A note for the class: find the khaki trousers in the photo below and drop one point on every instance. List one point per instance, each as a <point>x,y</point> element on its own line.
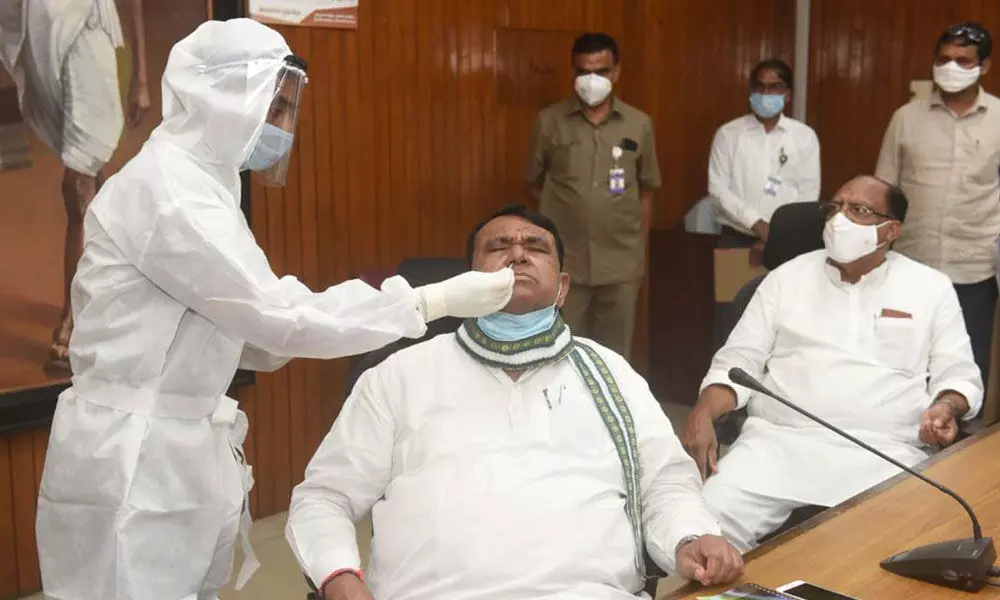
<point>604,313</point>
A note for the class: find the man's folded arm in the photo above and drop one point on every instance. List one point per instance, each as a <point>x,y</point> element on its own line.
<point>344,479</point>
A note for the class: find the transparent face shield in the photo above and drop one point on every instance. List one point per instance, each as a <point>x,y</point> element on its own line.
<point>271,154</point>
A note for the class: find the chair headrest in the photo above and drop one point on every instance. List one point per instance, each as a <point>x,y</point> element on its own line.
<point>431,269</point>
<point>425,270</point>
<point>795,229</point>
<point>417,272</point>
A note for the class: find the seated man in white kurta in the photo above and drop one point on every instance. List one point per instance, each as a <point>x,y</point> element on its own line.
<point>507,460</point>
<point>865,338</point>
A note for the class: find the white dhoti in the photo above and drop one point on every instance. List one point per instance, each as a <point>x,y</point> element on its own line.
<point>141,505</point>
<point>66,69</point>
<point>772,469</point>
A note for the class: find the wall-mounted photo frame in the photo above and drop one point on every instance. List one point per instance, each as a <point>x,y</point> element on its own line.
<point>79,95</point>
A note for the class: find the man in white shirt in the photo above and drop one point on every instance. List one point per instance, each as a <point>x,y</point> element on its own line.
<point>944,152</point>
<point>865,338</point>
<point>762,160</point>
<point>507,460</point>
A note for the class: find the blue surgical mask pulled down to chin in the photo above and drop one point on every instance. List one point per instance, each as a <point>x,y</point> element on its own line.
<point>767,106</point>
<point>274,143</point>
<point>505,327</point>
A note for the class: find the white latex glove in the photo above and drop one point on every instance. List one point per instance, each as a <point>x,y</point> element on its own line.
<point>471,294</point>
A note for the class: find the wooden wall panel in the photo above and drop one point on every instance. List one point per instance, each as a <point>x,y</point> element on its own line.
<point>8,540</point>
<point>21,458</point>
<point>691,73</point>
<point>863,56</point>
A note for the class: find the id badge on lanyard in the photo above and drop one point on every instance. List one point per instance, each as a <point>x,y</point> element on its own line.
<point>773,183</point>
<point>616,176</point>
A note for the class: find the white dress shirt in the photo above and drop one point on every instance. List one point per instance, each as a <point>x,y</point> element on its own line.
<point>745,157</point>
<point>834,349</point>
<point>484,487</point>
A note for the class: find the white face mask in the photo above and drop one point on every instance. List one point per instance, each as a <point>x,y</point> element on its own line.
<point>846,241</point>
<point>952,78</point>
<point>592,88</point>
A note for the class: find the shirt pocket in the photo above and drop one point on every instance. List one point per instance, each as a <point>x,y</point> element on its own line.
<point>983,166</point>
<point>896,343</point>
<point>565,159</point>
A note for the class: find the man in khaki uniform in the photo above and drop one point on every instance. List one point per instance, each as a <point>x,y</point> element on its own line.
<point>944,152</point>
<point>592,169</point>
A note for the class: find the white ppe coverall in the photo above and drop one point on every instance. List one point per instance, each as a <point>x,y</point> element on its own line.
<point>144,485</point>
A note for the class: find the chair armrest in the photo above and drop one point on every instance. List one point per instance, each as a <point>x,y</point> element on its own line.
<point>313,592</point>
<point>728,426</point>
<point>653,575</point>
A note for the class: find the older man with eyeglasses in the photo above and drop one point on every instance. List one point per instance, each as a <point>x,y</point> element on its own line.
<point>862,336</point>
<point>944,152</point>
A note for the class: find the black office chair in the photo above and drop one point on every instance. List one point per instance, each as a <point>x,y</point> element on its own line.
<point>417,272</point>
<point>795,229</point>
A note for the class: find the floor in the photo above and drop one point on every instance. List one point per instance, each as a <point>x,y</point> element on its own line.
<point>279,576</point>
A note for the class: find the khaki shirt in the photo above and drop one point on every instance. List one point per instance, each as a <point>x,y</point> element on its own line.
<point>570,158</point>
<point>948,168</point>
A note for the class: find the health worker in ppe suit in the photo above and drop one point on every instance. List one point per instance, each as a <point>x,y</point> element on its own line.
<point>144,492</point>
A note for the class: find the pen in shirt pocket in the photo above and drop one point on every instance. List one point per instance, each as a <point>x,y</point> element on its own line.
<point>548,401</point>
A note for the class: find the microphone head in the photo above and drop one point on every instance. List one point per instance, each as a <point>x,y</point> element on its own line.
<point>741,377</point>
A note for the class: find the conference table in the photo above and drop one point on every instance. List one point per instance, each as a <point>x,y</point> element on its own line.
<point>841,548</point>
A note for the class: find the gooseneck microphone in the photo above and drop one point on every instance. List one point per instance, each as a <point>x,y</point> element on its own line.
<point>960,564</point>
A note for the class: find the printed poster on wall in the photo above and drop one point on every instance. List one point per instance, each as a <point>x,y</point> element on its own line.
<point>79,96</point>
<point>340,14</point>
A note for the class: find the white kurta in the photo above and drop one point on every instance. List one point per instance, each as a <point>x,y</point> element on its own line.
<point>484,487</point>
<point>825,345</point>
<point>744,156</point>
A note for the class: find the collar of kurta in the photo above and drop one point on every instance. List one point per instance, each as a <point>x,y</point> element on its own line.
<point>543,349</point>
<point>873,277</point>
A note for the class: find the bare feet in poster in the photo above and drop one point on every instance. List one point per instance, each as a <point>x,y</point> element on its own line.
<point>79,189</point>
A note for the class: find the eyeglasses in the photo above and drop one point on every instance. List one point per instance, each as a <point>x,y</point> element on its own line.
<point>770,88</point>
<point>969,32</point>
<point>859,213</point>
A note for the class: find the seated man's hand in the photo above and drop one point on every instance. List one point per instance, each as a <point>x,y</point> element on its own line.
<point>938,426</point>
<point>701,443</point>
<point>757,254</point>
<point>762,228</point>
<point>709,560</point>
<point>346,586</point>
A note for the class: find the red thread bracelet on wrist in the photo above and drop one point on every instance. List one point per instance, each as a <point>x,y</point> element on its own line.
<point>359,573</point>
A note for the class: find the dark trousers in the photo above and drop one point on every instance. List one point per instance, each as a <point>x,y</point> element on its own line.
<point>978,302</point>
<point>730,238</point>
